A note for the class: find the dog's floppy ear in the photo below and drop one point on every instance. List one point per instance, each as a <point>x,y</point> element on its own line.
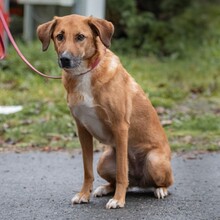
<point>104,29</point>
<point>44,32</point>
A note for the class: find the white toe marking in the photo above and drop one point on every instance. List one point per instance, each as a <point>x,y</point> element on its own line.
<point>77,199</point>
<point>113,204</point>
<point>161,192</point>
<point>102,190</point>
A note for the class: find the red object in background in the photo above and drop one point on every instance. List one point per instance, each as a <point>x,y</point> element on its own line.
<point>6,16</point>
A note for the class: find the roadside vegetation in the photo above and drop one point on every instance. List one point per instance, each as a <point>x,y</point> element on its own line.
<point>183,84</point>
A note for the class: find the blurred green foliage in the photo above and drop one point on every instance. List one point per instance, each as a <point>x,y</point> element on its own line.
<point>187,90</point>
<point>178,67</point>
<point>164,28</point>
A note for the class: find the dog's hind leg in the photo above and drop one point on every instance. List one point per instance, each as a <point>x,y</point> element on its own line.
<point>159,168</point>
<point>107,170</point>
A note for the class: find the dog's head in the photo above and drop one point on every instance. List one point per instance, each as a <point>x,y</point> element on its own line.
<point>76,39</point>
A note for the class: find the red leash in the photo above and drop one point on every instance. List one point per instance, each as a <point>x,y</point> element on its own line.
<point>4,23</point>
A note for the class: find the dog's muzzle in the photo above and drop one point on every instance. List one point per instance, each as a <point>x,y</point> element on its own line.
<point>68,61</point>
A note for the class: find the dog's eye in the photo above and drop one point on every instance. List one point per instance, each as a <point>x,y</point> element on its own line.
<point>80,37</point>
<point>60,37</point>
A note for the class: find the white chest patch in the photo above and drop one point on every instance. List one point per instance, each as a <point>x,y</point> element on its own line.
<point>82,106</point>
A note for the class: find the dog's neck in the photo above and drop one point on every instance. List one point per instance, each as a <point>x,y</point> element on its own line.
<point>94,64</point>
<point>71,80</point>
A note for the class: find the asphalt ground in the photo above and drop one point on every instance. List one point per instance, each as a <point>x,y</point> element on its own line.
<point>39,185</point>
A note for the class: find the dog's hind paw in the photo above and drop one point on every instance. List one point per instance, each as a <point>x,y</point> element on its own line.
<point>103,190</point>
<point>160,192</point>
<point>80,198</point>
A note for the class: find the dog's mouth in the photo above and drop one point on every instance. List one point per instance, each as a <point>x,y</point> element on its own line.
<point>67,61</point>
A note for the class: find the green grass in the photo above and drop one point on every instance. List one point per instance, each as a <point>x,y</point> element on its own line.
<point>200,132</point>
<point>45,121</point>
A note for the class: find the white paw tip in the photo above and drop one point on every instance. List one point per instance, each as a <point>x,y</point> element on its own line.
<point>160,193</point>
<point>113,204</point>
<point>101,190</point>
<point>77,199</point>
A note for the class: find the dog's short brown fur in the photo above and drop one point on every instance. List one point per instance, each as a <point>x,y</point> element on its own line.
<point>109,105</point>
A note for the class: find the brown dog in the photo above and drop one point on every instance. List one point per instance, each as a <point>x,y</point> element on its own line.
<point>109,105</point>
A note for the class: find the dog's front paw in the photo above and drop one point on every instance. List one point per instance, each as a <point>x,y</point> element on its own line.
<point>160,192</point>
<point>113,204</point>
<point>80,198</point>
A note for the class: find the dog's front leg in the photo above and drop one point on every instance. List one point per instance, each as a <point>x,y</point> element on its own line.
<point>121,138</point>
<point>87,150</point>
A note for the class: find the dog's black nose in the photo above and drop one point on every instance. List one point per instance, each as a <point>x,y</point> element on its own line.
<point>65,61</point>
<point>68,61</point>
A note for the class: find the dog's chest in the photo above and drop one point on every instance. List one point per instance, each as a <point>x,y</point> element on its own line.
<point>81,103</point>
